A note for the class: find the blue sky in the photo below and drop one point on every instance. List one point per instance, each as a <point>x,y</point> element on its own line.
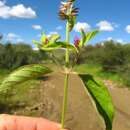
<point>24,20</point>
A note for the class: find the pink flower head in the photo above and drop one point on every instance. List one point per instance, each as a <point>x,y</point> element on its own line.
<point>46,41</point>
<point>76,41</point>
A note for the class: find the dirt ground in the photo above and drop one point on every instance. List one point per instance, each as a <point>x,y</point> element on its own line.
<point>121,97</point>
<point>80,114</point>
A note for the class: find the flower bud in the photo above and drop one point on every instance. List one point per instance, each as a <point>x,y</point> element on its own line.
<point>67,10</point>
<point>46,41</point>
<point>76,42</point>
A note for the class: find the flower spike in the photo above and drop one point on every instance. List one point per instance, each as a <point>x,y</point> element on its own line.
<point>67,10</point>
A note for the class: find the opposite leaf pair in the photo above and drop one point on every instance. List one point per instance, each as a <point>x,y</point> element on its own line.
<point>48,43</point>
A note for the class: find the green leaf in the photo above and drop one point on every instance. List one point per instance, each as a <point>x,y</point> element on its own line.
<point>83,38</point>
<point>43,38</point>
<point>46,40</point>
<point>35,42</point>
<point>23,74</point>
<point>91,35</point>
<point>101,97</point>
<point>87,37</point>
<point>59,45</point>
<point>54,37</point>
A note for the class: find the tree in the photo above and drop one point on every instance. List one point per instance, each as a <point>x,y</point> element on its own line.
<point>13,56</point>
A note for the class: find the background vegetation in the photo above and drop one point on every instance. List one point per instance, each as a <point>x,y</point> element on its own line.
<point>109,60</point>
<point>13,56</point>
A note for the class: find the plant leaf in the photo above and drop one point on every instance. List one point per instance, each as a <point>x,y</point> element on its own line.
<point>54,37</point>
<point>23,74</point>
<point>101,97</point>
<point>83,38</point>
<point>35,42</point>
<point>90,35</point>
<point>87,37</point>
<point>58,45</point>
<point>43,38</point>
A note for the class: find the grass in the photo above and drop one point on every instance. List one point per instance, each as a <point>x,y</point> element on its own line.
<point>3,73</point>
<point>97,71</point>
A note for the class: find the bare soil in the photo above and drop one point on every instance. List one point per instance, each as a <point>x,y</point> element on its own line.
<point>81,115</point>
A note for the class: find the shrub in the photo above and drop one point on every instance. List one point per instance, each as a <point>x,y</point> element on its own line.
<point>114,56</point>
<point>15,55</point>
<point>124,72</point>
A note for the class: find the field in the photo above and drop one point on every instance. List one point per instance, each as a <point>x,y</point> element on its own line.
<point>97,71</point>
<point>44,97</point>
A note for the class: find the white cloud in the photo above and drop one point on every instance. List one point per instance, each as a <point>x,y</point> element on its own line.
<point>85,26</point>
<point>2,3</point>
<point>105,26</point>
<point>35,49</point>
<point>22,12</point>
<point>52,33</point>
<point>120,40</point>
<point>12,37</point>
<point>109,38</point>
<point>4,10</point>
<point>37,27</point>
<point>49,34</point>
<point>59,28</point>
<point>18,11</point>
<point>127,28</point>
<point>19,40</point>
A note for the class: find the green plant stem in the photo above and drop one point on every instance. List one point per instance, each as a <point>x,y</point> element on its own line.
<point>65,97</point>
<point>64,108</point>
<point>67,42</point>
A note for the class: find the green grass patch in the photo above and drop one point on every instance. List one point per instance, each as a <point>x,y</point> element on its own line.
<point>96,70</point>
<point>3,73</point>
